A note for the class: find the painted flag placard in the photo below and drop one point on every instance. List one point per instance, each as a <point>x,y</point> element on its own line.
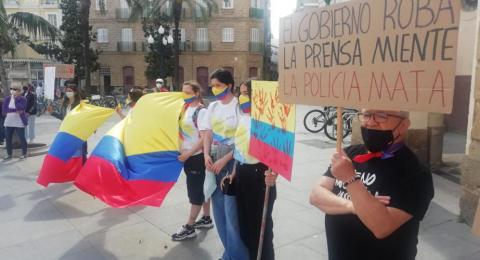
<point>64,158</point>
<point>136,162</point>
<point>382,54</point>
<point>273,128</point>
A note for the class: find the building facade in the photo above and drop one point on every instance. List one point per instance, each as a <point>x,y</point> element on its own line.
<point>231,39</point>
<point>48,9</point>
<point>26,65</point>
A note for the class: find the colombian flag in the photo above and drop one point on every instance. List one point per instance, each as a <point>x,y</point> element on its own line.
<point>136,162</point>
<point>272,130</point>
<point>64,158</point>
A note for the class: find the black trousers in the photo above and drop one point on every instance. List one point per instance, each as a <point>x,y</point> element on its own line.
<point>250,188</point>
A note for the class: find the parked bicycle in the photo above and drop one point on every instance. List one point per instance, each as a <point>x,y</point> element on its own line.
<point>314,121</point>
<point>317,120</point>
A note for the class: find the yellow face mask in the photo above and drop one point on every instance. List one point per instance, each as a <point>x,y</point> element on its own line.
<point>245,103</point>
<point>220,93</point>
<point>188,98</point>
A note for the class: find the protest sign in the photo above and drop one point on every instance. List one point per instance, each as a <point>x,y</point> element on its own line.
<point>273,128</point>
<point>385,54</point>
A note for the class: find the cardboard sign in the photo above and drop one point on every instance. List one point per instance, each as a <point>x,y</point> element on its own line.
<point>382,54</point>
<point>49,90</point>
<point>62,71</point>
<point>272,131</point>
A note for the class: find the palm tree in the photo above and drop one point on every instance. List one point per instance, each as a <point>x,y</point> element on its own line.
<point>14,29</point>
<point>174,10</point>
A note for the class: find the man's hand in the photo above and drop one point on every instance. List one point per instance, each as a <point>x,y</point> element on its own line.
<point>229,178</point>
<point>184,156</point>
<point>208,162</point>
<point>342,167</point>
<point>219,165</point>
<point>270,178</point>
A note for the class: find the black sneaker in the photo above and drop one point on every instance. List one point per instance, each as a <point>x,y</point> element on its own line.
<point>186,232</point>
<point>204,223</point>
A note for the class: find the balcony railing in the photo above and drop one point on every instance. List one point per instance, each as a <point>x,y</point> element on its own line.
<point>49,3</point>
<point>183,46</point>
<point>123,13</point>
<point>11,3</point>
<point>202,46</point>
<point>256,13</point>
<point>256,47</point>
<point>126,46</point>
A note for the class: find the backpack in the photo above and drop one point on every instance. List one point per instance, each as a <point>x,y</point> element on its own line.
<point>195,115</point>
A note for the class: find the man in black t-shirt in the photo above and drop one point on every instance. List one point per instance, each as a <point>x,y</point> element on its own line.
<point>374,195</point>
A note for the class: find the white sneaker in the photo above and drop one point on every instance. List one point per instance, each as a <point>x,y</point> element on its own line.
<point>7,158</point>
<point>22,158</point>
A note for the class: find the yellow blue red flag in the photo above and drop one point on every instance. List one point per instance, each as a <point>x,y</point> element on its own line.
<point>136,162</point>
<point>64,158</point>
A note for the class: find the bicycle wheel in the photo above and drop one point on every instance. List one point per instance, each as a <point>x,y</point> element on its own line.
<point>330,129</point>
<point>314,121</point>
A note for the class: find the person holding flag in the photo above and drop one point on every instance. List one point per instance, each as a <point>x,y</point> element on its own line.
<point>194,164</point>
<point>70,101</point>
<point>251,178</point>
<point>221,121</point>
<point>133,96</point>
<point>374,195</point>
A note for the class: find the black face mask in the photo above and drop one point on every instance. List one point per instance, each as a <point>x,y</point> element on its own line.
<point>377,140</point>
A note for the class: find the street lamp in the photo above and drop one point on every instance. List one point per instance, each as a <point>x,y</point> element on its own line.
<point>165,39</point>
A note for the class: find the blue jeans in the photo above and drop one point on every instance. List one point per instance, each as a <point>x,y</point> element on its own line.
<point>21,135</point>
<point>226,219</point>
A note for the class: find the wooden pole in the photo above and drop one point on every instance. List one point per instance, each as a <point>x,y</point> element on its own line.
<point>264,221</point>
<point>339,128</point>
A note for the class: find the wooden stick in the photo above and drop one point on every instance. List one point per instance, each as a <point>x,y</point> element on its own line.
<point>476,221</point>
<point>339,128</point>
<point>264,221</point>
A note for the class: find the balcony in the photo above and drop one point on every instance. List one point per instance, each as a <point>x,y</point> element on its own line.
<point>256,47</point>
<point>123,13</point>
<point>256,13</point>
<point>126,46</point>
<point>11,4</point>
<point>183,46</point>
<point>49,3</point>
<point>202,46</point>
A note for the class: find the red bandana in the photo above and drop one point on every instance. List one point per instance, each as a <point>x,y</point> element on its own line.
<point>363,158</point>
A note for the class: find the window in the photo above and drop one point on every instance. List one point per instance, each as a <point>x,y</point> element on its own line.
<point>228,35</point>
<point>255,35</point>
<point>253,72</point>
<point>256,3</point>
<point>227,4</point>
<point>127,35</point>
<point>52,19</point>
<point>200,4</point>
<point>202,77</point>
<point>202,34</point>
<point>97,4</point>
<point>102,35</point>
<point>128,77</point>
<point>182,34</point>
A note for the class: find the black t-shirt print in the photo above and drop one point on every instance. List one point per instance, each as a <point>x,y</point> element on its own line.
<point>410,186</point>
